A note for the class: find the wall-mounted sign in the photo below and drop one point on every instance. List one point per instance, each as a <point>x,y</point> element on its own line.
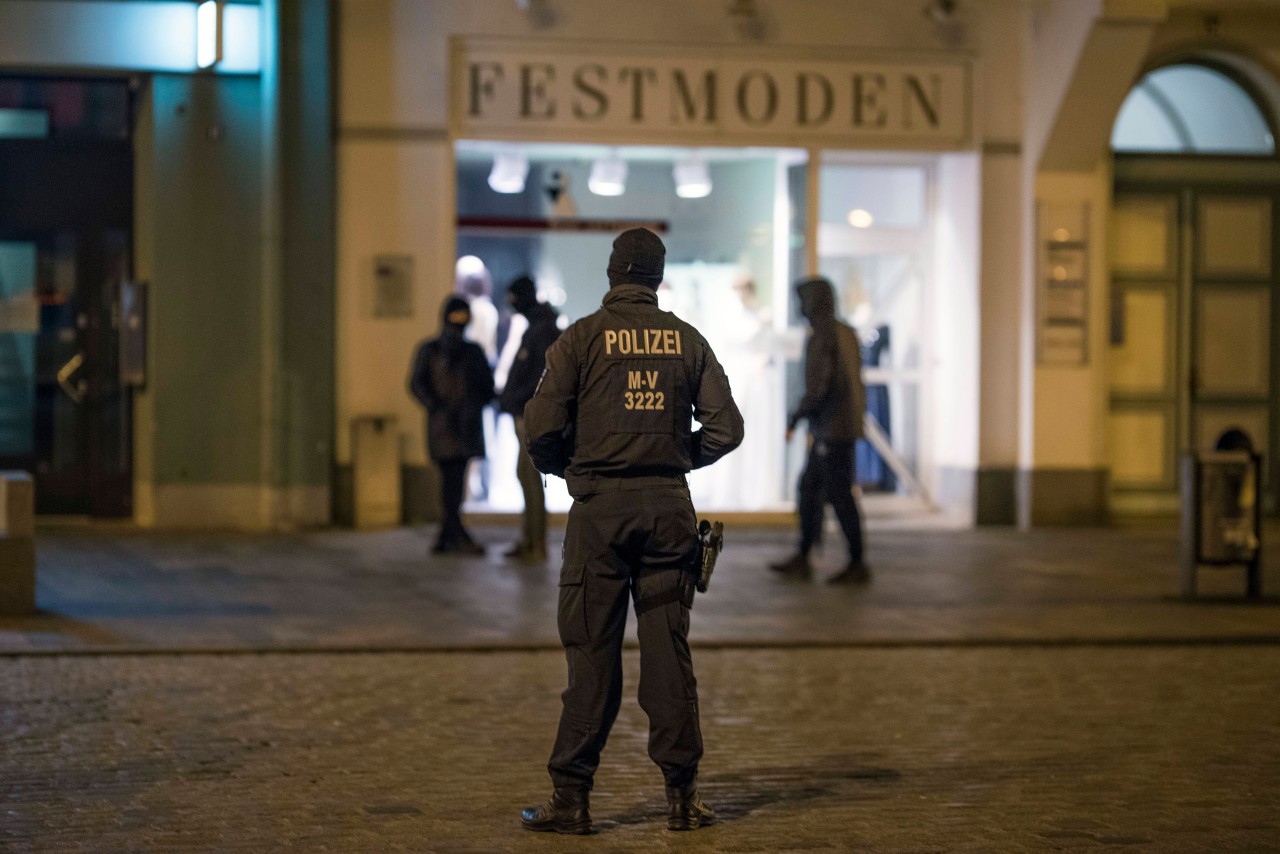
<point>393,286</point>
<point>518,90</point>
<point>1063,272</point>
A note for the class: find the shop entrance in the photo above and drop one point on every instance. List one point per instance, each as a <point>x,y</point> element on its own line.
<point>66,179</point>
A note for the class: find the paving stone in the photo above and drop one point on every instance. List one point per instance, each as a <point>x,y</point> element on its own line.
<point>101,587</point>
<point>988,691</point>
<point>1168,748</point>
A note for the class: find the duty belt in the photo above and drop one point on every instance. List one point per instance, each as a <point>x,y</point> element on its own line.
<point>591,483</point>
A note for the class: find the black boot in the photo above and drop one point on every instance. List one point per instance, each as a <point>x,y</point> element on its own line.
<point>567,811</point>
<point>685,810</point>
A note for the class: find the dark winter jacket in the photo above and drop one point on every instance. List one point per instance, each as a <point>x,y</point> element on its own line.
<point>619,394</point>
<point>451,378</point>
<point>526,370</point>
<point>834,398</point>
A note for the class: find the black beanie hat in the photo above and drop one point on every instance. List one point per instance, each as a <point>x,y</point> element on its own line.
<point>456,312</point>
<point>523,288</point>
<point>638,257</point>
<point>522,295</point>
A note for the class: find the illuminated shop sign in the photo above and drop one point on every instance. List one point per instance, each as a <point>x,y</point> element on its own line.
<point>504,90</point>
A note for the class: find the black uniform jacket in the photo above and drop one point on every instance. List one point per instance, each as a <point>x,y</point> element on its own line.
<point>834,398</point>
<point>619,393</point>
<point>531,359</point>
<point>451,378</point>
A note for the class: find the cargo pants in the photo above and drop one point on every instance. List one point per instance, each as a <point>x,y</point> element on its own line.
<point>628,542</point>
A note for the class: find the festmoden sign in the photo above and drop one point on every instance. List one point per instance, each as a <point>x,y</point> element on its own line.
<point>507,90</point>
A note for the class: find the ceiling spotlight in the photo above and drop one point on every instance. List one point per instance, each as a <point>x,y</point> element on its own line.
<point>509,171</point>
<point>608,176</point>
<point>859,218</point>
<point>693,178</point>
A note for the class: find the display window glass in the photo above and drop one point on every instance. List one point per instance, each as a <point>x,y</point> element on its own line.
<point>732,255</point>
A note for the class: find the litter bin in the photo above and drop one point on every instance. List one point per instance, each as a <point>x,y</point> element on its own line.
<point>1221,515</point>
<point>375,463</point>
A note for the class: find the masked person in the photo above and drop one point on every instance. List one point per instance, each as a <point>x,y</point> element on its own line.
<point>522,380</point>
<point>451,378</point>
<point>834,403</point>
<point>612,416</point>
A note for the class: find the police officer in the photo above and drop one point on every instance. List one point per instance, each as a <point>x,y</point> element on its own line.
<point>834,403</point>
<point>612,417</point>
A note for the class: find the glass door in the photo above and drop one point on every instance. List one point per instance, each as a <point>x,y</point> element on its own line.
<point>874,244</point>
<point>63,412</point>
<point>66,213</point>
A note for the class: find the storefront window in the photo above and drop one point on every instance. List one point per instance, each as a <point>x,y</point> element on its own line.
<point>732,256</point>
<point>729,264</point>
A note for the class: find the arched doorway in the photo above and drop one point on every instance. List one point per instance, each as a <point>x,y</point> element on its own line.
<point>1194,274</point>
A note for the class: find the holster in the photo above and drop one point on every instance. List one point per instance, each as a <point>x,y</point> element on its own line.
<point>694,577</point>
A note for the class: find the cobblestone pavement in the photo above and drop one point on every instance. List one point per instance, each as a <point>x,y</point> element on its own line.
<point>104,588</point>
<point>1151,748</point>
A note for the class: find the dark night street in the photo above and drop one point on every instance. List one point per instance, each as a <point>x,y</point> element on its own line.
<point>988,691</point>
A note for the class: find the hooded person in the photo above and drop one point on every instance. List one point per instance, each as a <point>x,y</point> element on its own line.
<point>613,416</point>
<point>834,403</point>
<point>522,380</point>
<point>451,379</point>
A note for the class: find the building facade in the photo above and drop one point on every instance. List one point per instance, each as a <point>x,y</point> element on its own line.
<point>1047,323</point>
